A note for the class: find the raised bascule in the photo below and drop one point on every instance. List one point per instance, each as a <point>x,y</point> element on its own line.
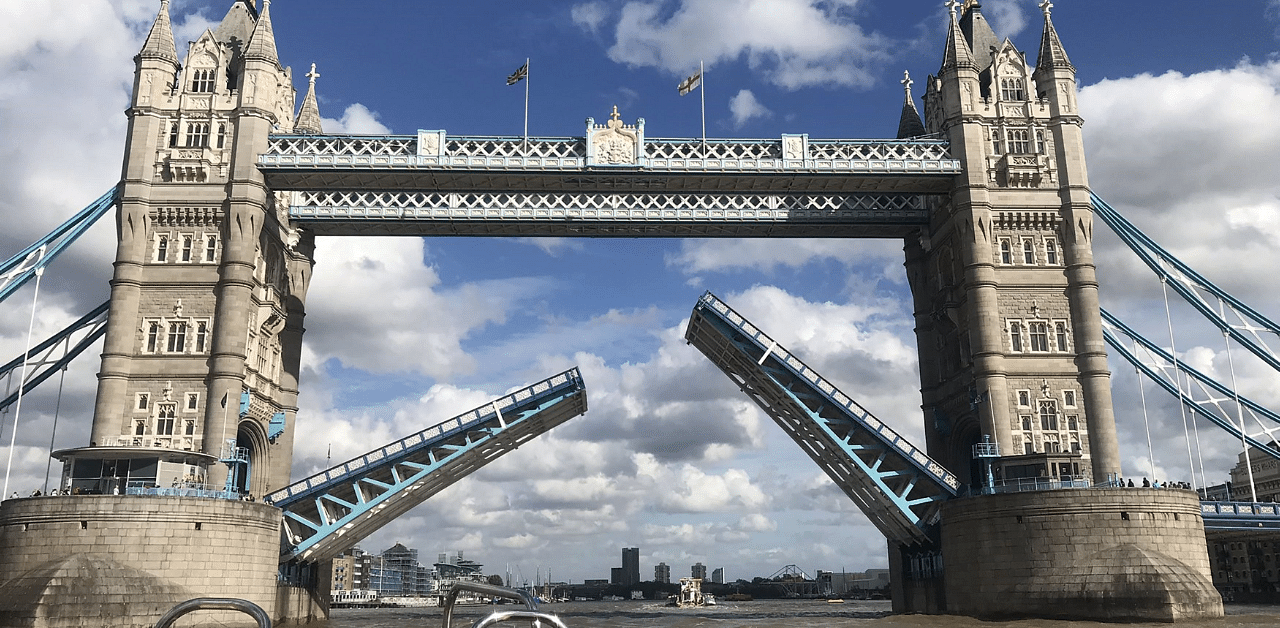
<point>224,189</point>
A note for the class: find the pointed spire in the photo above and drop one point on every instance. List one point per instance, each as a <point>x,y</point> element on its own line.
<point>262,44</point>
<point>909,124</point>
<point>159,44</point>
<point>956,53</point>
<point>978,33</point>
<point>1052,54</point>
<point>309,116</point>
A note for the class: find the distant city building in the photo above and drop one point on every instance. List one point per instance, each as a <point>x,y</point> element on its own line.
<point>615,575</point>
<point>662,573</point>
<point>1266,477</point>
<point>630,565</point>
<point>699,570</point>
<point>595,583</point>
<point>717,576</point>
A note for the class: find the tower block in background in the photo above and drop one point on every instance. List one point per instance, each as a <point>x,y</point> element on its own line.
<point>1013,365</point>
<point>199,377</point>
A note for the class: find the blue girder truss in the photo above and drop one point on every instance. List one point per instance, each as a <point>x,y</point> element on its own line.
<point>1208,398</point>
<point>893,482</point>
<point>328,513</point>
<point>54,353</point>
<point>1250,328</point>
<point>20,268</point>
<point>1239,516</point>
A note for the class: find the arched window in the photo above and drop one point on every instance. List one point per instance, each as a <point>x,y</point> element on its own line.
<point>153,337</point>
<point>1048,415</point>
<point>210,248</point>
<point>1050,252</point>
<point>1015,337</point>
<point>202,336</point>
<point>1060,331</point>
<point>1006,252</point>
<point>1039,336</point>
<point>222,135</point>
<point>1018,143</point>
<point>197,135</point>
<point>1028,252</point>
<point>186,248</point>
<point>173,135</point>
<point>1012,89</point>
<point>164,418</point>
<point>202,81</point>
<point>1040,142</point>
<point>162,249</point>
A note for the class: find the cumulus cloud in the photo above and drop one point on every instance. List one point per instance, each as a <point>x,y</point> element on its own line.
<point>745,108</point>
<point>790,43</point>
<point>356,119</point>
<point>589,15</point>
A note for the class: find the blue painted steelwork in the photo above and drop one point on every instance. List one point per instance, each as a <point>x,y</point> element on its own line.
<point>93,325</point>
<point>1211,407</point>
<point>246,398</point>
<point>893,482</point>
<point>23,266</point>
<point>331,511</point>
<point>1240,516</point>
<point>1190,285</point>
<point>276,427</point>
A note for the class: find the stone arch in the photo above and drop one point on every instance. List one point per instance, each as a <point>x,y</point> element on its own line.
<point>254,477</point>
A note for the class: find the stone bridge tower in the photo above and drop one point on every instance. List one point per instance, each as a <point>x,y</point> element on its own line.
<point>1006,299</point>
<point>202,347</point>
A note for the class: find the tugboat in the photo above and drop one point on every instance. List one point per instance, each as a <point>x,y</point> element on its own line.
<point>691,594</point>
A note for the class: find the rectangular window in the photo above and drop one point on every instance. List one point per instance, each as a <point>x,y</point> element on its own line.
<point>153,334</point>
<point>1028,447</point>
<point>187,242</point>
<point>1028,252</point>
<point>202,336</point>
<point>177,341</point>
<point>165,420</point>
<point>1024,398</point>
<point>193,401</point>
<point>1026,422</point>
<point>1015,337</point>
<point>144,401</point>
<point>139,428</point>
<point>1073,422</point>
<point>190,428</point>
<point>162,248</point>
<point>1060,334</point>
<point>1006,251</point>
<point>210,248</point>
<point>1069,399</point>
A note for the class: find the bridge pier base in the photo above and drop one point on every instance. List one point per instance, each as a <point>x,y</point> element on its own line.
<point>123,561</point>
<point>1116,554</point>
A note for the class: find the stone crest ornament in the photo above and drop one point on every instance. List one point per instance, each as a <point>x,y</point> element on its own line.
<point>615,143</point>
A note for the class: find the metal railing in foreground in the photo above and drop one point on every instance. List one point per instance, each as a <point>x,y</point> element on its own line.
<point>215,604</point>
<point>531,605</point>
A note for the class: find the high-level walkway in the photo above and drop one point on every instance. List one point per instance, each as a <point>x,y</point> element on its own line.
<point>437,184</point>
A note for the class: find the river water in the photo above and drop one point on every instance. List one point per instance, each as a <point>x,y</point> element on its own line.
<point>755,614</point>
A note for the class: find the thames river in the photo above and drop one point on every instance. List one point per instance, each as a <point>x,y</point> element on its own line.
<point>756,614</point>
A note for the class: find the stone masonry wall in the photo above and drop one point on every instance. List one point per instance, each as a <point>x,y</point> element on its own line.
<point>185,546</point>
<point>1098,554</point>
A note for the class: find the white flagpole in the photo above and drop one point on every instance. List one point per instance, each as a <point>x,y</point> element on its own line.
<point>702,74</point>
<point>526,104</point>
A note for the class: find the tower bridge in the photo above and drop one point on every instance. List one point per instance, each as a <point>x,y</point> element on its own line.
<point>226,183</point>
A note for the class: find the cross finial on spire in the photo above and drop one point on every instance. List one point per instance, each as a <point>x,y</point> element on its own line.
<point>615,115</point>
<point>952,6</point>
<point>1045,5</point>
<point>313,75</point>
<point>906,83</point>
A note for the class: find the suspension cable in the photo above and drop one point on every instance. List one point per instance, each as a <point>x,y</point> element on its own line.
<point>57,408</point>
<point>1253,491</point>
<point>1177,378</point>
<point>1146,420</point>
<point>22,380</point>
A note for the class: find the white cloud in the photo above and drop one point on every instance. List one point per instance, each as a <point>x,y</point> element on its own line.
<point>745,108</point>
<point>790,43</point>
<point>1006,17</point>
<point>356,119</point>
<point>589,16</point>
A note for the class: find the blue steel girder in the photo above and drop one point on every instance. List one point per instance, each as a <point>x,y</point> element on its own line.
<point>1239,516</point>
<point>1251,328</point>
<point>1215,408</point>
<point>897,486</point>
<point>44,359</point>
<point>330,512</point>
<point>20,268</point>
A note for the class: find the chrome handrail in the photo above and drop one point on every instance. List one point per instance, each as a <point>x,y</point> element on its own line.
<point>501,616</point>
<point>215,604</point>
<point>489,590</point>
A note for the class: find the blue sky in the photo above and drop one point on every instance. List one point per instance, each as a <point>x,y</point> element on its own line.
<point>1183,133</point>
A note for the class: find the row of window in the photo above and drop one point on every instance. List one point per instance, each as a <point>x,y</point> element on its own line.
<point>1017,142</point>
<point>1038,336</point>
<point>1013,89</point>
<point>176,336</point>
<point>1068,399</point>
<point>197,135</point>
<point>144,403</point>
<point>1024,252</point>
<point>186,248</point>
